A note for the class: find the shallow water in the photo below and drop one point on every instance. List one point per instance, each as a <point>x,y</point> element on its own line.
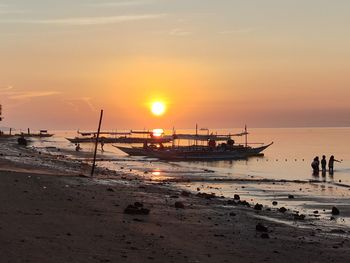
<point>287,159</point>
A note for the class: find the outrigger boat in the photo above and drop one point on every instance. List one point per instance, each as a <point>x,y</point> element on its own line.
<point>40,134</point>
<point>120,137</point>
<point>226,150</point>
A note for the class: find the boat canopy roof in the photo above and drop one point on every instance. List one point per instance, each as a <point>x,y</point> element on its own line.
<point>104,133</point>
<point>201,137</point>
<point>141,132</point>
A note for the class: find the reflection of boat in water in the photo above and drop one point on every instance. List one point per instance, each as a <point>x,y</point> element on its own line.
<point>227,150</point>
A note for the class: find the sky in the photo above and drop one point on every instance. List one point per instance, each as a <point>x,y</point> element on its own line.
<point>223,63</point>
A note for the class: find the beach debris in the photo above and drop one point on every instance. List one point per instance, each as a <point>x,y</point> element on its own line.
<point>290,196</point>
<point>299,217</point>
<point>179,205</point>
<point>315,212</point>
<point>236,197</point>
<point>335,211</point>
<point>260,227</point>
<point>206,196</point>
<point>265,236</point>
<point>274,203</point>
<point>282,209</point>
<point>258,206</point>
<point>198,189</point>
<point>136,209</point>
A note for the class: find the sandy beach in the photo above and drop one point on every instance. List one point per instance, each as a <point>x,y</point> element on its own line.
<point>49,216</point>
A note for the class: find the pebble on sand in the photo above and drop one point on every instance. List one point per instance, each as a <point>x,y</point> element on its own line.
<point>179,205</point>
<point>335,211</point>
<point>260,227</point>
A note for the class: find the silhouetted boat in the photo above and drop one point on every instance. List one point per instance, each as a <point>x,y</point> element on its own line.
<point>124,137</point>
<point>41,134</point>
<point>224,151</point>
<point>195,153</point>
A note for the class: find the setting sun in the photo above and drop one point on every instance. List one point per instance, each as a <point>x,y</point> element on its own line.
<point>158,108</point>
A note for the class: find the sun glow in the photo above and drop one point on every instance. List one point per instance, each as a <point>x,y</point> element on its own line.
<point>158,108</point>
<point>157,132</point>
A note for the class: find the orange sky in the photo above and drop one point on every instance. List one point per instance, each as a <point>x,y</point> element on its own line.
<point>277,64</point>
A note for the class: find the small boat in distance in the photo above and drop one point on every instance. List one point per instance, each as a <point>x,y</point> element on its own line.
<point>215,147</point>
<point>40,134</point>
<point>120,137</point>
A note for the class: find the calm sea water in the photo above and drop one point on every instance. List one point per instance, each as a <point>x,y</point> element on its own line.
<point>289,158</point>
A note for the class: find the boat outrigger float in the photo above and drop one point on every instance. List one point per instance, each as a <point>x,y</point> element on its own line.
<point>210,151</point>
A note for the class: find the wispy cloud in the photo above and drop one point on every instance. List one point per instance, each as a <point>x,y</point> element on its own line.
<point>179,32</point>
<point>31,95</point>
<point>15,98</point>
<point>76,103</point>
<point>86,21</point>
<point>10,93</point>
<point>6,9</point>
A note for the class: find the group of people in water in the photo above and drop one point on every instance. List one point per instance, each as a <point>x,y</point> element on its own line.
<point>316,165</point>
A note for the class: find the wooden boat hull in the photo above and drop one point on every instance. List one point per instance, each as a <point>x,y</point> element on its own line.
<point>35,135</point>
<point>195,155</point>
<point>125,140</point>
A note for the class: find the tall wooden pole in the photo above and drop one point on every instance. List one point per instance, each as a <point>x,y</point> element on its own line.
<point>96,144</point>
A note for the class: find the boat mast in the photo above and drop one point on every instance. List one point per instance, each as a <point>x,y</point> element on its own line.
<point>96,143</point>
<point>246,135</point>
<point>196,134</point>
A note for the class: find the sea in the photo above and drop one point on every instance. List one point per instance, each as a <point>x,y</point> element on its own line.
<point>283,174</point>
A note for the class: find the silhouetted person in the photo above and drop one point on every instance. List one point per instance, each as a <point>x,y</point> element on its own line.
<point>77,147</point>
<point>102,144</point>
<point>331,164</point>
<point>22,141</point>
<point>323,164</point>
<point>315,165</point>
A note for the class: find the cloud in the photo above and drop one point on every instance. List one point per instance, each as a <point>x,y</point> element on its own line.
<point>179,32</point>
<point>6,9</point>
<point>10,93</point>
<point>14,99</point>
<point>86,21</point>
<point>74,103</point>
<point>31,95</point>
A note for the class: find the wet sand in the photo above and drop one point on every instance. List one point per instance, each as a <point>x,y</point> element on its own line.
<point>61,217</point>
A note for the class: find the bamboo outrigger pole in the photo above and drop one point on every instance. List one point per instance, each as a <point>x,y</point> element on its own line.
<point>96,144</point>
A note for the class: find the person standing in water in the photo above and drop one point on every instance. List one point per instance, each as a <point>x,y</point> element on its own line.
<point>315,165</point>
<point>323,163</point>
<point>331,164</point>
<point>102,144</point>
